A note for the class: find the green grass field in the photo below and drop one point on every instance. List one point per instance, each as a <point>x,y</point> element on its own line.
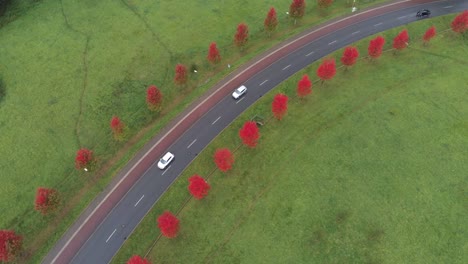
<point>69,66</point>
<point>370,169</point>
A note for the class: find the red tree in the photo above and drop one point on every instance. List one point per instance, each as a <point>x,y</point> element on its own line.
<point>180,74</point>
<point>138,260</point>
<point>213,54</point>
<point>350,55</point>
<point>401,40</point>
<point>168,224</point>
<point>117,127</point>
<point>326,70</point>
<point>304,86</point>
<point>224,159</point>
<point>198,187</point>
<point>10,245</point>
<point>83,159</point>
<point>430,33</point>
<point>279,106</point>
<point>242,35</point>
<point>376,47</point>
<point>271,21</point>
<point>46,200</point>
<point>153,98</point>
<point>324,3</point>
<point>460,22</point>
<point>249,134</point>
<point>297,9</point>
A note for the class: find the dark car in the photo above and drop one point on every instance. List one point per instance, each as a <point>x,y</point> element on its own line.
<point>423,13</point>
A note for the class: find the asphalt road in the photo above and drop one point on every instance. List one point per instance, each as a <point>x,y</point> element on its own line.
<point>123,219</point>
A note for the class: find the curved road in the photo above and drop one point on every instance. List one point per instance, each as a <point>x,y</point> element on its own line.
<point>101,230</point>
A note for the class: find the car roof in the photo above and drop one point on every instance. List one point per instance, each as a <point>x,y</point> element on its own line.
<point>168,155</point>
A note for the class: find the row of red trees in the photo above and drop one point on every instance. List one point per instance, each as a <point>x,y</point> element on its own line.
<point>198,187</point>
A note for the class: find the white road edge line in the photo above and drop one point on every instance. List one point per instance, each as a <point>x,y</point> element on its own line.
<point>111,235</point>
<point>195,140</point>
<point>201,103</point>
<point>216,120</point>
<point>333,42</point>
<point>448,6</point>
<point>355,32</point>
<point>238,101</point>
<point>263,82</point>
<point>166,169</point>
<point>310,53</point>
<point>139,200</point>
<point>378,24</point>
<point>286,67</point>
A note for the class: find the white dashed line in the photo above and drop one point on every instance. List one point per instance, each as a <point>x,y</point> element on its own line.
<point>216,120</point>
<point>448,6</point>
<point>378,24</point>
<point>286,67</point>
<point>111,235</point>
<point>263,82</point>
<point>333,42</point>
<point>240,100</point>
<point>139,200</point>
<point>192,143</point>
<point>355,32</point>
<point>166,169</point>
<point>310,53</point>
<point>401,17</point>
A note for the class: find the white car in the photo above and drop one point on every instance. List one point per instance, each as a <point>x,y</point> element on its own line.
<point>165,160</point>
<point>239,92</point>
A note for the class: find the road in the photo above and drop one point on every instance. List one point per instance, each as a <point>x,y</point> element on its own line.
<point>105,240</point>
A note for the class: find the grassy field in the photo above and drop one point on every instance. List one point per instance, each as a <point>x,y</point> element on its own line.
<point>69,66</point>
<point>370,169</point>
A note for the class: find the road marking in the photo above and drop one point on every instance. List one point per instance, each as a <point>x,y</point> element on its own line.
<point>286,67</point>
<point>355,32</point>
<point>192,143</point>
<point>111,235</point>
<point>448,6</point>
<point>216,120</point>
<point>401,17</point>
<point>378,24</point>
<point>310,53</point>
<point>240,100</point>
<point>333,42</point>
<point>166,169</point>
<point>139,200</point>
<point>65,245</point>
<point>263,82</point>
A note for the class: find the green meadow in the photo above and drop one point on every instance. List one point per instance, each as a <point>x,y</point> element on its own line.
<point>68,66</point>
<point>370,168</point>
